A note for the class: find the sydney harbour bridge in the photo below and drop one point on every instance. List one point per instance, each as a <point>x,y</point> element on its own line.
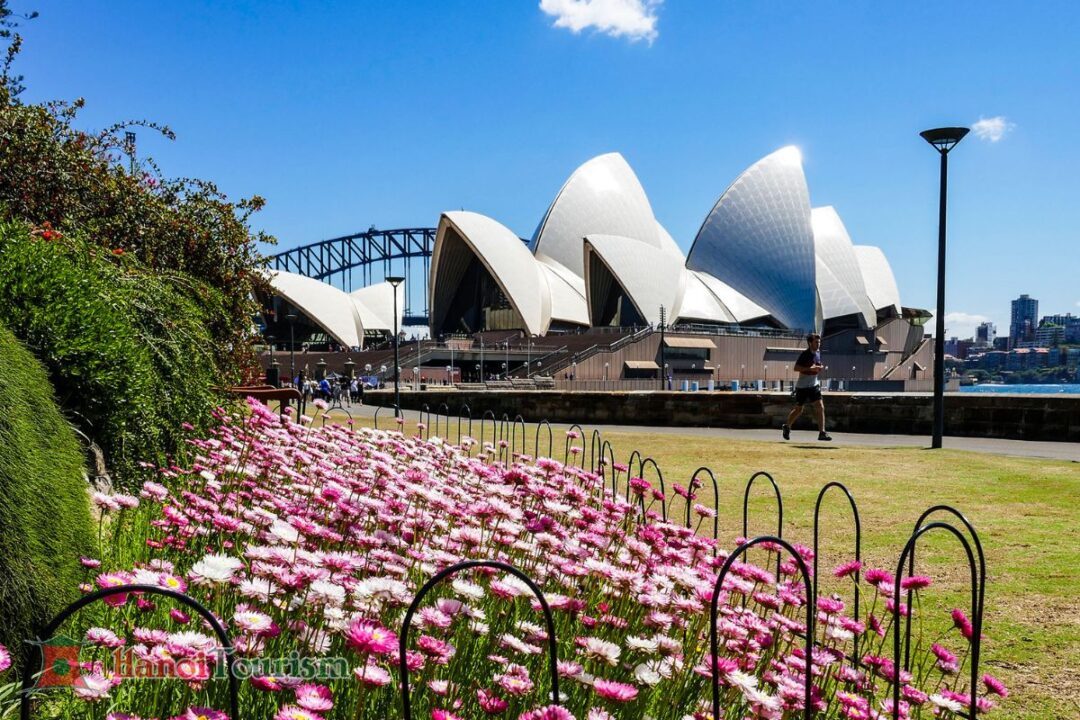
<point>354,261</point>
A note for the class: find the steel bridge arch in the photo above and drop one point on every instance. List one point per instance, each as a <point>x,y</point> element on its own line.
<point>342,260</point>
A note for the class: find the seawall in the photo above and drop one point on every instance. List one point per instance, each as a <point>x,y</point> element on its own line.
<point>1019,417</point>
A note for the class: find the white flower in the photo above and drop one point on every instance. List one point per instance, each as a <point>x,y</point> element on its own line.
<point>946,704</point>
<point>92,686</point>
<point>467,589</point>
<point>647,674</point>
<point>327,593</point>
<point>741,680</point>
<point>646,645</point>
<point>215,569</point>
<point>601,650</point>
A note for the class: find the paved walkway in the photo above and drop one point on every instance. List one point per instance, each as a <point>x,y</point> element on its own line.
<point>1017,448</point>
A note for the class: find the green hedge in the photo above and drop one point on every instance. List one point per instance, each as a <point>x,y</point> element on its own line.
<point>129,352</point>
<point>45,522</point>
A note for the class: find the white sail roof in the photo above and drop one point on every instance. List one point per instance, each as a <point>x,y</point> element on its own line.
<point>758,240</point>
<point>375,306</point>
<point>602,197</point>
<point>502,254</point>
<point>329,308</point>
<point>878,278</point>
<point>840,284</point>
<point>567,292</point>
<point>649,274</point>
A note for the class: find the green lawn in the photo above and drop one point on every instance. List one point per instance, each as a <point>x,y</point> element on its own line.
<point>1025,510</point>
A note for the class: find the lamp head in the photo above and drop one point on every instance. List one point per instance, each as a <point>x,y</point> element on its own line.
<point>395,280</point>
<point>944,139</point>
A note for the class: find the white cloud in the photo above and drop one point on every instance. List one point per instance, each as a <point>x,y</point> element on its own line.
<point>632,19</point>
<point>992,129</point>
<point>962,325</point>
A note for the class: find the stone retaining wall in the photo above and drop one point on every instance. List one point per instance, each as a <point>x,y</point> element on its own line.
<point>1020,417</point>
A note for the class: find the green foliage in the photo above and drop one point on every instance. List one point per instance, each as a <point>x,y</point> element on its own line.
<point>57,177</point>
<point>129,351</point>
<point>44,509</point>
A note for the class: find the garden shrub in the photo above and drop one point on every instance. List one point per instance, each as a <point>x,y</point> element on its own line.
<point>129,351</point>
<point>45,522</point>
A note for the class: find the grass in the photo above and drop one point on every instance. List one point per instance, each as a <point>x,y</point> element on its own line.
<point>1025,510</point>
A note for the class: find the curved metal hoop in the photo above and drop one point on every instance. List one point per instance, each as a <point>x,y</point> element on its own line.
<point>976,639</point>
<point>379,409</point>
<point>746,502</point>
<point>504,436</point>
<point>425,408</point>
<point>551,438</point>
<point>630,471</point>
<point>596,443</point>
<point>610,449</point>
<point>858,550</point>
<point>219,630</point>
<point>716,501</point>
<point>977,618</point>
<point>468,411</point>
<point>446,420</point>
<point>811,612</point>
<point>403,667</point>
<point>518,421</point>
<point>663,490</point>
<point>566,448</point>
<point>779,508</point>
<point>483,424</point>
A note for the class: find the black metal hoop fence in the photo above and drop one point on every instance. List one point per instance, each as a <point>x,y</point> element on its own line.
<point>50,630</point>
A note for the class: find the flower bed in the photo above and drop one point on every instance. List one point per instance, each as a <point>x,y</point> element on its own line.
<point>310,544</point>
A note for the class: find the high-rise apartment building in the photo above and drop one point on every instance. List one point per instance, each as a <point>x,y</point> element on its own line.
<point>985,334</point>
<point>1025,314</point>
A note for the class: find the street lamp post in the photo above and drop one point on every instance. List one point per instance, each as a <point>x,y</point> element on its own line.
<point>481,358</point>
<point>663,317</point>
<point>507,363</point>
<point>943,140</point>
<point>394,281</point>
<point>291,317</point>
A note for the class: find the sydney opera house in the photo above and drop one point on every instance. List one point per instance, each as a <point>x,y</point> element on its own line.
<point>762,258</point>
<point>764,263</point>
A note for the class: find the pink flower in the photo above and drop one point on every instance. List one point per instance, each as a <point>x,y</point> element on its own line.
<point>266,683</point>
<point>992,684</point>
<point>490,703</point>
<point>370,638</point>
<point>960,620</point>
<point>293,712</point>
<point>204,713</point>
<point>5,658</point>
<point>103,637</point>
<point>915,582</point>
<point>550,712</point>
<point>317,698</point>
<point>848,568</point>
<point>617,691</point>
<point>373,675</point>
<point>438,714</point>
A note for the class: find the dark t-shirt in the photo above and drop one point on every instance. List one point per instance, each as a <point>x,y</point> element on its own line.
<point>808,358</point>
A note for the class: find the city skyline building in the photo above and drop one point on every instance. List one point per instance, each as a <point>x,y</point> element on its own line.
<point>1022,324</point>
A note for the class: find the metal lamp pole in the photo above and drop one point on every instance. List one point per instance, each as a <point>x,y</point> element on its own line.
<point>394,281</point>
<point>291,317</point>
<point>943,140</point>
<point>663,365</point>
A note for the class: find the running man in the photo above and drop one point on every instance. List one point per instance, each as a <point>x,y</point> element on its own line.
<point>808,388</point>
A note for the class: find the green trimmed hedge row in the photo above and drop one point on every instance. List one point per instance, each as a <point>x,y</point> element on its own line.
<point>45,522</point>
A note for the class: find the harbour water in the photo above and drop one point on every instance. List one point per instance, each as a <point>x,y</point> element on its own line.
<point>1069,389</point>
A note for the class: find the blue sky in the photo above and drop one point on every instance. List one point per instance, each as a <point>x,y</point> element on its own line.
<point>351,114</point>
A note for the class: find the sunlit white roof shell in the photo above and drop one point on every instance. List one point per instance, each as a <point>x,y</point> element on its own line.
<point>328,307</point>
<point>567,292</point>
<point>649,274</point>
<point>707,299</point>
<point>602,197</point>
<point>840,280</point>
<point>758,239</point>
<point>502,254</point>
<point>878,278</point>
<point>375,306</point>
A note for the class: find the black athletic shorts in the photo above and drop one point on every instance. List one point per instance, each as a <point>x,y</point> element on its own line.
<point>806,396</point>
